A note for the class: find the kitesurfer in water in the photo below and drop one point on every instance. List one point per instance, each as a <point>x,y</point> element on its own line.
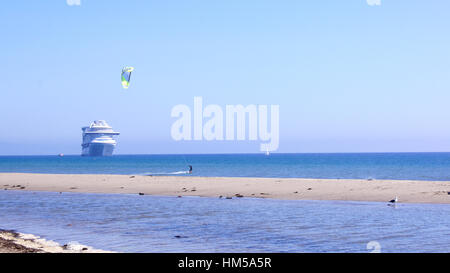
<point>190,169</point>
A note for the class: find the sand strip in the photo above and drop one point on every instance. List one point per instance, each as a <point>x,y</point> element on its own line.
<point>279,188</point>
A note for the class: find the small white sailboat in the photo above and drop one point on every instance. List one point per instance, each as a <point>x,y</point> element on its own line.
<point>267,152</point>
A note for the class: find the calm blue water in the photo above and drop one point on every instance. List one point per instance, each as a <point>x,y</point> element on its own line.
<point>133,223</point>
<point>418,166</point>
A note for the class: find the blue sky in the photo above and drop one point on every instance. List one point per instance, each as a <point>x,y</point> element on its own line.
<point>348,77</point>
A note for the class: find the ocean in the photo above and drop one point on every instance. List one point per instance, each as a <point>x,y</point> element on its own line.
<point>399,166</point>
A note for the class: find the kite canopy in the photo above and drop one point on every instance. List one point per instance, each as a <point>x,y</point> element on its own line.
<point>126,76</point>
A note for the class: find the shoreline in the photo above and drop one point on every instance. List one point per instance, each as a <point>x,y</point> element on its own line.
<point>10,243</point>
<point>408,191</point>
<point>16,242</point>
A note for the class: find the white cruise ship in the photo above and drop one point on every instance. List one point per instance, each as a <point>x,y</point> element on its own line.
<point>98,139</point>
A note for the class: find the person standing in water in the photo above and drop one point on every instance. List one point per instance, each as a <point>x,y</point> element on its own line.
<point>190,169</point>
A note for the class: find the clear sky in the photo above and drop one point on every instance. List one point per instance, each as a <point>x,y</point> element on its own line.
<point>348,76</point>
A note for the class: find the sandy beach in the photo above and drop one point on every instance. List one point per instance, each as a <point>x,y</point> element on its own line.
<point>231,187</point>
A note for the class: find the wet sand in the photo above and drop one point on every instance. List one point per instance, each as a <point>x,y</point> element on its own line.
<point>231,187</point>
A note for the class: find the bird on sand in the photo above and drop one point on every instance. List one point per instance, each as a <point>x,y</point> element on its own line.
<point>394,200</point>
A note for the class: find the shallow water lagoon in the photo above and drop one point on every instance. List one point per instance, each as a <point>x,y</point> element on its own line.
<point>133,223</point>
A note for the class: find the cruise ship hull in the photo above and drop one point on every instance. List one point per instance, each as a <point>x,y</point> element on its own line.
<point>98,149</point>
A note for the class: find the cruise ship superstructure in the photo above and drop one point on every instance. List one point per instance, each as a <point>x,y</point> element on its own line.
<point>98,139</point>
